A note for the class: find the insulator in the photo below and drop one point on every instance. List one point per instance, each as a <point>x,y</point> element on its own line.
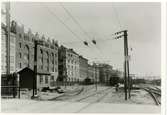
<point>94,42</point>
<point>86,43</point>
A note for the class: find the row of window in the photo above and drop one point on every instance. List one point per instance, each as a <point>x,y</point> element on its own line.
<point>72,61</point>
<point>72,67</point>
<point>41,79</point>
<point>4,68</point>
<point>72,73</point>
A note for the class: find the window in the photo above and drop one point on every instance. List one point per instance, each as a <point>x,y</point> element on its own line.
<point>19,35</point>
<point>55,69</point>
<point>19,45</point>
<point>41,59</point>
<point>52,78</point>
<point>55,62</point>
<point>47,60</point>
<point>41,66</point>
<point>11,68</point>
<point>19,65</point>
<point>52,69</point>
<point>12,59</point>
<point>46,79</point>
<point>20,55</point>
<point>47,68</point>
<point>12,40</point>
<point>52,58</point>
<point>41,79</point>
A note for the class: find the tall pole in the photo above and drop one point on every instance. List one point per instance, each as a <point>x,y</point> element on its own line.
<point>127,79</point>
<point>96,77</point>
<point>8,36</point>
<point>125,64</point>
<point>126,61</point>
<point>35,69</point>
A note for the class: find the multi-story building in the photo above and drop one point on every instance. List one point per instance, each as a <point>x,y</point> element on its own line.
<point>47,63</point>
<point>105,72</point>
<point>68,64</point>
<point>83,68</point>
<point>22,55</point>
<point>93,72</point>
<point>4,50</point>
<point>96,72</point>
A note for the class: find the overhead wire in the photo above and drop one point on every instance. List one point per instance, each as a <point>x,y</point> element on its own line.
<point>75,21</point>
<point>79,25</point>
<point>62,22</point>
<point>117,17</point>
<point>67,27</point>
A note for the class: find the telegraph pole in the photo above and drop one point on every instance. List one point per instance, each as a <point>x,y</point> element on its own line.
<point>35,69</point>
<point>126,62</point>
<point>8,36</point>
<point>129,83</point>
<point>96,76</point>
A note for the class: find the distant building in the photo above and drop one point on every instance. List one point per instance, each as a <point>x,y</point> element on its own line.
<point>68,64</point>
<point>96,72</point>
<point>93,72</point>
<point>105,71</point>
<point>83,68</point>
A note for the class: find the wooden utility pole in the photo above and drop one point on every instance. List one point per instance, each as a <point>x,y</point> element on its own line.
<point>96,77</point>
<point>126,62</point>
<point>7,5</point>
<point>35,69</point>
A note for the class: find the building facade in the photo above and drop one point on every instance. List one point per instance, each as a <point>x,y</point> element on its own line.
<point>4,50</point>
<point>68,64</point>
<point>47,63</point>
<point>83,68</point>
<point>93,72</point>
<point>22,54</point>
<point>96,72</point>
<point>106,72</point>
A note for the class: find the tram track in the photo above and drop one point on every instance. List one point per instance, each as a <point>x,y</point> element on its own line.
<point>103,94</point>
<point>154,93</point>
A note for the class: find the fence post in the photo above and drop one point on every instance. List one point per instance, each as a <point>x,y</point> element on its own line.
<point>14,87</point>
<point>18,81</point>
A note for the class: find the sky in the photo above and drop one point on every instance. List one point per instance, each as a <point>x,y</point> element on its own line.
<point>99,21</point>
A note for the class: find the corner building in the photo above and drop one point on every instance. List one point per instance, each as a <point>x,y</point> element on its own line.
<point>47,55</point>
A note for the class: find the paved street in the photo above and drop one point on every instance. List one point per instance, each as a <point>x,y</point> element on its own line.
<point>74,107</point>
<point>102,100</point>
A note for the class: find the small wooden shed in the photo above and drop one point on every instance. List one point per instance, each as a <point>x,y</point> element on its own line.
<point>26,78</point>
